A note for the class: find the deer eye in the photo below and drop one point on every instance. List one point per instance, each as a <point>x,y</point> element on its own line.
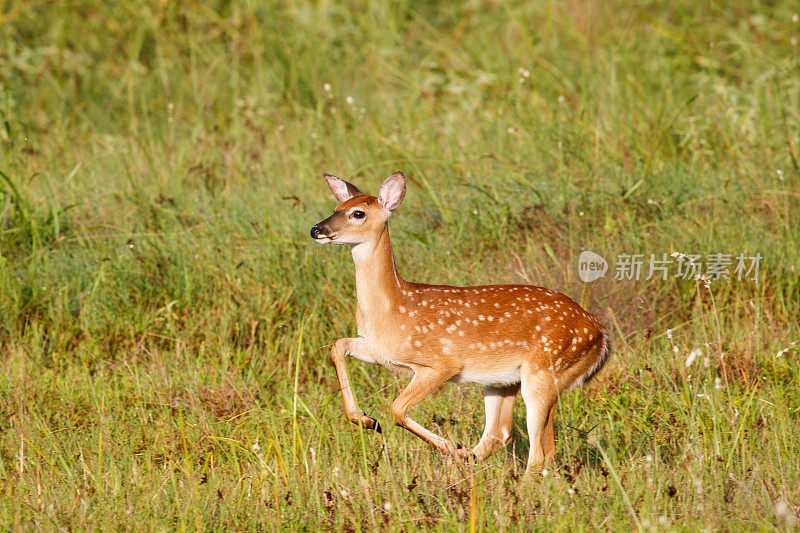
<point>359,214</point>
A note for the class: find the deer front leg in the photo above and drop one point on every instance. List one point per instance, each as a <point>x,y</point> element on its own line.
<point>424,382</point>
<point>499,418</point>
<point>341,348</point>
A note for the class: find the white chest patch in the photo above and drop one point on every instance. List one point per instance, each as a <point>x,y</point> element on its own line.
<point>376,353</point>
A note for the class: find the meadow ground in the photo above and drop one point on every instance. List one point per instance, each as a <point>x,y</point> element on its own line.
<point>165,319</point>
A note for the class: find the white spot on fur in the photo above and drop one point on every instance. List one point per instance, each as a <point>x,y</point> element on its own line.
<point>447,344</point>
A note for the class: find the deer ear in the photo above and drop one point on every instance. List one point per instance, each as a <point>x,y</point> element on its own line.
<point>392,191</point>
<point>341,189</point>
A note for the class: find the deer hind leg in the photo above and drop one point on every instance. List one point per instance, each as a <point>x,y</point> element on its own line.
<point>548,438</point>
<point>499,402</point>
<point>540,397</point>
<point>424,382</point>
<point>351,411</point>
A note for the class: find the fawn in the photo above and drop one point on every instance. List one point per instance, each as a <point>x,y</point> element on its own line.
<point>504,337</point>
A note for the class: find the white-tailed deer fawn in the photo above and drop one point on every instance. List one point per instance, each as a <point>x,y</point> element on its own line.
<point>504,337</point>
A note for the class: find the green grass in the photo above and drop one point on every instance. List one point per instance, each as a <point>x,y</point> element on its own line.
<point>165,318</point>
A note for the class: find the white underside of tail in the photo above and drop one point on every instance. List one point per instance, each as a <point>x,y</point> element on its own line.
<point>598,364</point>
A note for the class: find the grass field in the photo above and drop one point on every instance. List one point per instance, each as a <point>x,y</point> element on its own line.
<point>165,319</point>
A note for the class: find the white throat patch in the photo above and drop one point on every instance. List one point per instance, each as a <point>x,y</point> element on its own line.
<point>361,252</point>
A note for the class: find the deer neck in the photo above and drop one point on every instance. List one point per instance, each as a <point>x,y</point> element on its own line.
<point>378,284</point>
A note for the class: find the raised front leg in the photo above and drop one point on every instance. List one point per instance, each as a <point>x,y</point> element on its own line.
<point>424,382</point>
<point>341,348</point>
<point>499,419</point>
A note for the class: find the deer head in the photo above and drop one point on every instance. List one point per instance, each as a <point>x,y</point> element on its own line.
<point>359,218</point>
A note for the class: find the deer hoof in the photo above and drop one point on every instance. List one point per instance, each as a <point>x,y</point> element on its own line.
<point>374,425</point>
<point>463,452</point>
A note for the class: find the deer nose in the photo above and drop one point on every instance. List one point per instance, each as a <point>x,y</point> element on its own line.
<point>316,232</point>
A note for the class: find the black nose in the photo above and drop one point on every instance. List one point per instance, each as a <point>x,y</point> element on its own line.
<point>316,232</point>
